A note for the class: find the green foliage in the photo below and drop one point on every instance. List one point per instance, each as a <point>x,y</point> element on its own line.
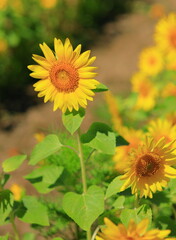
<point>5,199</point>
<point>72,120</point>
<point>85,208</point>
<point>45,177</point>
<point>6,237</point>
<point>13,163</point>
<point>100,88</point>
<point>34,212</point>
<point>48,146</point>
<point>119,202</point>
<point>100,137</point>
<point>115,186</point>
<point>137,214</point>
<point>29,236</point>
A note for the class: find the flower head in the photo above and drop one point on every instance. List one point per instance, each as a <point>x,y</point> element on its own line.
<point>17,191</point>
<point>151,61</point>
<point>150,167</point>
<point>133,232</point>
<point>169,90</point>
<point>165,35</point>
<point>66,77</point>
<point>121,157</point>
<point>48,3</point>
<point>147,92</point>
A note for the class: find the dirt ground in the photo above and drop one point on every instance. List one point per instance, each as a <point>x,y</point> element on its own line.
<point>117,52</point>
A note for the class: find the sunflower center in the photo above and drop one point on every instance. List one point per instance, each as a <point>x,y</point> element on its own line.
<point>152,61</point>
<point>148,164</point>
<point>64,77</point>
<point>173,38</point>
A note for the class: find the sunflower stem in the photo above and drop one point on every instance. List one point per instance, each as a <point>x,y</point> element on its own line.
<point>16,233</point>
<point>136,201</point>
<point>83,173</point>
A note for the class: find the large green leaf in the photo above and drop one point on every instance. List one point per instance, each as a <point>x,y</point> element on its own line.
<point>137,214</point>
<point>72,120</point>
<point>100,137</point>
<point>13,163</point>
<point>6,237</point>
<point>44,178</point>
<point>119,202</point>
<point>35,212</point>
<point>114,187</point>
<point>84,208</point>
<point>48,146</point>
<point>100,88</point>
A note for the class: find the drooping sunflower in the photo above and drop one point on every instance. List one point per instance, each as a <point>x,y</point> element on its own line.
<point>150,167</point>
<point>151,61</point>
<point>17,191</point>
<point>134,231</point>
<point>165,34</point>
<point>147,92</point>
<point>66,77</point>
<point>121,157</point>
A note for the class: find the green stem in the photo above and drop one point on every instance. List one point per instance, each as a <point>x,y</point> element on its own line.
<point>136,201</point>
<point>16,233</point>
<point>83,173</point>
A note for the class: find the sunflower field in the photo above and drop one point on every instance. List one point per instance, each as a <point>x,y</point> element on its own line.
<point>114,181</point>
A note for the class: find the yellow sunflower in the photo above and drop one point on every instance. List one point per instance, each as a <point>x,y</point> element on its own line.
<point>121,157</point>
<point>151,61</point>
<point>17,191</point>
<point>66,77</point>
<point>171,61</point>
<point>162,128</point>
<point>147,92</point>
<point>48,3</point>
<point>165,34</point>
<point>114,110</point>
<point>133,232</point>
<point>150,167</point>
<point>169,90</point>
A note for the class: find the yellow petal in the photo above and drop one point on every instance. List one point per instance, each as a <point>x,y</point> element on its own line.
<point>42,61</point>
<point>47,52</point>
<point>68,49</point>
<point>59,48</point>
<point>88,75</point>
<point>169,171</point>
<point>142,226</point>
<point>82,60</point>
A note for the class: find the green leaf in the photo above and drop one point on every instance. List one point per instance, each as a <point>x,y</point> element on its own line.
<point>29,236</point>
<point>100,88</point>
<point>5,199</point>
<point>118,204</point>
<point>57,238</point>
<point>84,208</point>
<point>6,237</point>
<point>100,137</point>
<point>5,179</point>
<point>36,212</point>
<point>120,141</point>
<point>137,214</point>
<point>13,163</point>
<point>114,187</point>
<point>44,177</point>
<point>42,150</point>
<point>72,120</point>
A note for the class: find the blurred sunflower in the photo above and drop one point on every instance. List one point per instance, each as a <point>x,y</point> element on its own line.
<point>113,110</point>
<point>132,232</point>
<point>162,128</point>
<point>17,191</point>
<point>3,45</point>
<point>66,78</point>
<point>150,167</point>
<point>3,4</point>
<point>121,157</point>
<point>48,3</point>
<point>171,61</point>
<point>147,92</point>
<point>157,10</point>
<point>165,34</point>
<point>169,90</point>
<point>151,61</point>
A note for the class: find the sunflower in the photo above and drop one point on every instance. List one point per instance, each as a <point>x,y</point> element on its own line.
<point>171,61</point>
<point>17,191</point>
<point>48,3</point>
<point>121,157</point>
<point>150,167</point>
<point>169,90</point>
<point>133,232</point>
<point>66,77</point>
<point>151,61</point>
<point>147,92</point>
<point>165,35</point>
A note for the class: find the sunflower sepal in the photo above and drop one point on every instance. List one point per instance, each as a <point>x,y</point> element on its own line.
<point>138,214</point>
<point>100,88</point>
<point>100,137</point>
<point>72,120</point>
